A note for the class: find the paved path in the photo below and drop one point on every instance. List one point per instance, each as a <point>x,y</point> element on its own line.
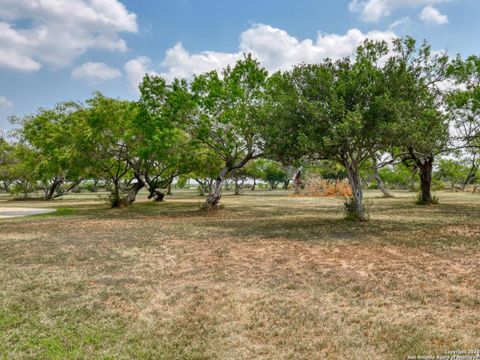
<point>10,212</point>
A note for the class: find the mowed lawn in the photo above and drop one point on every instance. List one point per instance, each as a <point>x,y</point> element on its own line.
<point>268,276</point>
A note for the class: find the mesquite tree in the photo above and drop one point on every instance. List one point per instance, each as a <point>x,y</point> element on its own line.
<point>464,101</point>
<point>161,152</point>
<point>163,149</point>
<point>218,111</point>
<point>226,117</point>
<point>51,134</point>
<point>206,168</point>
<point>6,162</point>
<point>107,141</point>
<point>414,76</point>
<point>334,110</point>
<point>464,106</point>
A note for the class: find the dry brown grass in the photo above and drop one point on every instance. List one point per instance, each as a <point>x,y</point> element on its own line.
<point>267,277</point>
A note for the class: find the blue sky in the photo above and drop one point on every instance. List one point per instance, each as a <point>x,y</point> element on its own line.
<point>51,51</point>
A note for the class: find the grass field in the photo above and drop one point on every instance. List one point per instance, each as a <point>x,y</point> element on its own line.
<point>267,277</point>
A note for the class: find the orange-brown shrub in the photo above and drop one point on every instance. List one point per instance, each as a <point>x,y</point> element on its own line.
<point>317,186</point>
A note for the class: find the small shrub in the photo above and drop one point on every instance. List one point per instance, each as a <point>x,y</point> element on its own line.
<point>90,187</point>
<point>350,209</point>
<point>420,201</point>
<point>316,186</point>
<point>182,183</point>
<point>116,201</point>
<point>23,188</point>
<point>438,185</point>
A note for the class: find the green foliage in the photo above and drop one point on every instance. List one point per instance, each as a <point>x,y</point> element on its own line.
<point>337,111</point>
<point>452,171</point>
<point>207,165</point>
<point>7,161</point>
<point>273,173</point>
<point>337,116</point>
<point>464,101</point>
<point>256,169</point>
<point>226,114</point>
<point>329,170</point>
<point>413,76</point>
<point>52,135</point>
<point>182,183</point>
<point>18,169</point>
<point>398,176</point>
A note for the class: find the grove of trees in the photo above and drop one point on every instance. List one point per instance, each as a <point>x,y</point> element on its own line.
<point>393,113</point>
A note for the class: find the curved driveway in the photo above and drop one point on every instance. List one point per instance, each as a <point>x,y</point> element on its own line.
<point>10,212</point>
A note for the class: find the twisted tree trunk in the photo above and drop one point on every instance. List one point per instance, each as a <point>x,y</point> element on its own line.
<point>381,184</point>
<point>95,185</point>
<point>471,174</point>
<point>134,190</point>
<point>426,180</point>
<point>237,188</point>
<point>57,181</point>
<point>424,164</point>
<point>214,198</point>
<point>355,181</point>
<point>297,182</point>
<point>210,186</point>
<point>116,200</point>
<point>216,194</point>
<point>156,194</point>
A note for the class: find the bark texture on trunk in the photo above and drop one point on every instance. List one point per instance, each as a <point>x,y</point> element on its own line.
<point>57,181</point>
<point>471,174</point>
<point>202,186</point>
<point>116,200</point>
<point>156,194</point>
<point>210,186</point>
<point>216,194</point>
<point>424,164</point>
<point>6,186</point>
<point>426,180</point>
<point>285,184</point>
<point>95,185</point>
<point>297,182</point>
<point>381,184</point>
<point>355,181</point>
<point>53,193</point>
<point>132,194</point>
<point>214,197</point>
<point>237,188</point>
<point>254,184</point>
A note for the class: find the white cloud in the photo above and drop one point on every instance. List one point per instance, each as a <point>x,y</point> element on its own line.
<point>400,22</point>
<point>273,47</point>
<point>180,63</point>
<point>95,72</point>
<point>430,15</point>
<point>136,70</point>
<point>374,10</point>
<point>55,32</point>
<point>5,103</point>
